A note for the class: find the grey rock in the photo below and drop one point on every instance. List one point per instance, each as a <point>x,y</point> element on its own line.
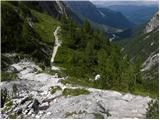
<point>44,106</point>
<point>24,100</point>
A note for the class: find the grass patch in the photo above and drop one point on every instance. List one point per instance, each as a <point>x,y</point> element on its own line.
<point>73,113</point>
<point>9,103</point>
<point>6,76</point>
<point>98,116</point>
<point>74,92</point>
<point>69,114</point>
<point>12,116</point>
<point>76,81</point>
<point>45,26</point>
<point>55,88</point>
<point>60,73</point>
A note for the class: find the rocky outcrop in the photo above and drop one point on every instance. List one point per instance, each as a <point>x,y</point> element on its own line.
<point>36,101</point>
<point>53,8</point>
<point>151,61</point>
<point>152,24</point>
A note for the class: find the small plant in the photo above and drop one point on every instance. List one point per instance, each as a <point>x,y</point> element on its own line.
<point>9,103</point>
<point>55,88</point>
<point>153,109</point>
<point>4,96</point>
<point>74,92</point>
<point>12,116</point>
<point>69,114</point>
<point>98,116</point>
<point>42,66</point>
<point>6,76</point>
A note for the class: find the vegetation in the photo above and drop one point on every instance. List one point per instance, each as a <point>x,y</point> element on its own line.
<point>153,109</point>
<point>74,92</point>
<point>55,88</point>
<point>4,97</point>
<point>9,103</point>
<point>84,53</point>
<point>8,76</point>
<point>98,116</point>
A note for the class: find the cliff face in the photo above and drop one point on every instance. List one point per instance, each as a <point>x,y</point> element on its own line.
<point>53,8</point>
<point>153,23</point>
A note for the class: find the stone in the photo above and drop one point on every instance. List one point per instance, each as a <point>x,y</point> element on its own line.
<point>37,117</point>
<point>44,106</point>
<point>30,112</point>
<point>49,113</point>
<point>97,77</point>
<point>18,111</point>
<point>13,69</point>
<point>24,100</point>
<point>127,97</point>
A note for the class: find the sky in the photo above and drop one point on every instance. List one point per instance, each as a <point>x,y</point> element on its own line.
<point>123,2</point>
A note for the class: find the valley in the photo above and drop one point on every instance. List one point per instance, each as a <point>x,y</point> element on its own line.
<point>59,61</point>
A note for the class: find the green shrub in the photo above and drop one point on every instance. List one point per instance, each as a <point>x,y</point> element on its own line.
<point>98,116</point>
<point>153,109</point>
<point>74,92</point>
<point>4,96</point>
<point>55,88</point>
<point>7,76</point>
<point>9,103</point>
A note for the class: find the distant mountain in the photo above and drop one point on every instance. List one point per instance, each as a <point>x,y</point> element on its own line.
<point>136,14</point>
<point>145,42</point>
<point>146,46</point>
<point>102,16</point>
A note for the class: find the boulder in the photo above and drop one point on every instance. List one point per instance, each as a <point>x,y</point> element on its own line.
<point>44,106</point>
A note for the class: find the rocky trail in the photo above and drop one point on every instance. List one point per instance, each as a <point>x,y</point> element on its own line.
<point>34,82</point>
<point>57,44</point>
<point>35,100</point>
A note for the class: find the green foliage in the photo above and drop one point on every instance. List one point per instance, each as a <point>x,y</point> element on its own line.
<point>55,88</point>
<point>77,81</point>
<point>98,116</point>
<point>7,76</point>
<point>74,92</point>
<point>153,109</point>
<point>4,96</point>
<point>45,26</point>
<point>11,27</point>
<point>84,52</point>
<point>86,26</point>
<point>74,113</point>
<point>12,116</point>
<point>9,103</point>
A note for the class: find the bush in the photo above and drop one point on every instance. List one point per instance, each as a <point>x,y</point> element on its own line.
<point>55,88</point>
<point>6,76</point>
<point>74,92</point>
<point>153,109</point>
<point>4,96</point>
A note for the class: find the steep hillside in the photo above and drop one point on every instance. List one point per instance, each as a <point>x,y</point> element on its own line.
<point>103,16</point>
<point>134,13</point>
<point>49,64</point>
<point>145,42</point>
<point>145,46</point>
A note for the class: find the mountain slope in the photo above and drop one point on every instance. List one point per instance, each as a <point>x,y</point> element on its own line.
<point>146,47</point>
<point>84,62</point>
<point>86,9</point>
<point>134,13</point>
